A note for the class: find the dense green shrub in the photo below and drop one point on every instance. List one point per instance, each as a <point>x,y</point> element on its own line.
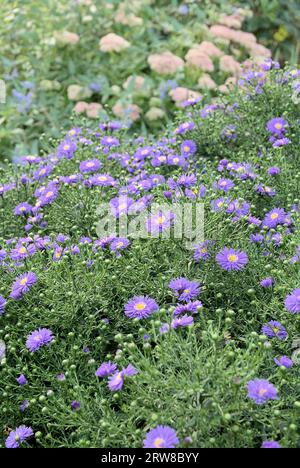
<point>192,378</point>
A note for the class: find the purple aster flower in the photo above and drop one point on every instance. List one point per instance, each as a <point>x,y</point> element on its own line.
<point>187,180</point>
<point>292,302</point>
<point>22,209</point>
<point>75,250</point>
<point>267,283</point>
<point>257,238</point>
<point>103,243</point>
<point>21,252</point>
<point>230,259</point>
<point>106,369</point>
<point>75,405</point>
<point>273,171</point>
<point>61,377</point>
<point>116,382</point>
<point>141,307</point>
<point>265,191</point>
<point>201,252</point>
<point>24,406</point>
<point>157,179</point>
<point>85,240</point>
<point>22,380</point>
<point>229,133</point>
<point>92,165</point>
<point>184,321</point>
<point>129,371</point>
<point>284,361</point>
<point>30,159</point>
<point>261,391</point>
<point>22,285</point>
<point>66,149</point>
<point>190,308</point>
<point>62,238</point>
<point>219,204</point>
<point>159,222</point>
<point>274,329</point>
<point>164,328</point>
<point>43,172</point>
<point>102,180</point>
<point>277,126</point>
<point>19,435</point>
<point>225,185</point>
<point>2,305</point>
<point>188,148</point>
<point>271,444</point>
<point>184,127</point>
<point>184,289</point>
<point>109,141</point>
<point>161,437</point>
<point>121,205</point>
<point>176,160</point>
<point>39,338</point>
<point>119,244</point>
<point>3,255</point>
<point>281,142</point>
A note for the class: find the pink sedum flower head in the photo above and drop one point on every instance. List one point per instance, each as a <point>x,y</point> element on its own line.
<point>113,43</point>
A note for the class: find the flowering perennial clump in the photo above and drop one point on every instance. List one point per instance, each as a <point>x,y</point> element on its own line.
<point>116,332</point>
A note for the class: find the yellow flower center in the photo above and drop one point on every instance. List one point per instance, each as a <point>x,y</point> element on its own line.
<point>49,194</point>
<point>232,258</point>
<point>262,392</point>
<point>278,126</point>
<point>161,220</point>
<point>23,281</point>
<point>66,147</point>
<point>90,164</point>
<point>22,250</point>
<point>140,306</point>
<point>186,149</point>
<point>158,442</point>
<point>274,216</point>
<point>102,178</point>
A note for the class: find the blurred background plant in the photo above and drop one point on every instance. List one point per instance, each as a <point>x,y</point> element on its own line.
<point>60,56</point>
<point>276,23</point>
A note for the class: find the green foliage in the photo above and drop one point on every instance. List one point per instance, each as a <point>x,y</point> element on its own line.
<point>193,379</point>
<point>276,23</point>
